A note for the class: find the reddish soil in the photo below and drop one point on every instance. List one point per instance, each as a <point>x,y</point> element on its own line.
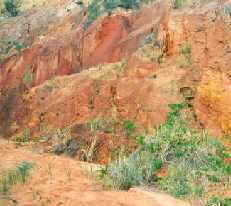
<point>62,181</point>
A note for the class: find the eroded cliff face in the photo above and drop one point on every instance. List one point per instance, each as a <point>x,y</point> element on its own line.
<point>210,39</point>
<point>71,75</point>
<point>110,39</point>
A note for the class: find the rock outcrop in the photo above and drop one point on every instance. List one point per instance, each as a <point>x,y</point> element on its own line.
<point>56,85</point>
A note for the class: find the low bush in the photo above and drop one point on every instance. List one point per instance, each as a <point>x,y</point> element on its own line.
<point>97,7</point>
<point>216,201</point>
<point>14,176</point>
<point>129,127</point>
<point>227,9</point>
<point>193,161</point>
<point>185,58</point>
<point>64,144</point>
<point>176,4</point>
<point>12,7</point>
<point>28,77</point>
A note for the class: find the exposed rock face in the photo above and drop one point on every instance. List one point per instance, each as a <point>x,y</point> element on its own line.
<point>104,45</point>
<point>70,53</point>
<point>64,50</point>
<point>142,89</point>
<point>43,60</point>
<point>109,39</point>
<point>212,101</point>
<point>211,42</point>
<point>36,21</point>
<point>91,95</point>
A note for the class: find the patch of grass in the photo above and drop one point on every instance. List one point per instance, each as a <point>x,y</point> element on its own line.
<point>94,10</point>
<point>9,47</point>
<point>24,138</point>
<point>11,7</point>
<point>64,144</point>
<point>19,47</point>
<point>216,201</point>
<point>28,78</point>
<point>89,153</point>
<point>96,124</point>
<point>186,49</point>
<point>133,170</point>
<point>176,4</point>
<point>102,124</point>
<point>185,58</point>
<point>14,176</point>
<point>227,9</point>
<point>194,162</point>
<point>129,127</point>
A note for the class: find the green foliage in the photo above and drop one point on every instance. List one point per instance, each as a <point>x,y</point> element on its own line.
<point>96,124</point>
<point>79,2</point>
<point>19,47</point>
<point>186,49</point>
<point>12,177</point>
<point>12,7</point>
<point>107,125</point>
<point>24,138</point>
<point>97,7</point>
<point>216,201</point>
<point>194,161</point>
<point>130,127</point>
<point>227,9</point>
<point>130,4</point>
<point>186,55</point>
<point>129,171</point>
<point>176,182</point>
<point>109,5</point>
<point>176,4</point>
<point>28,78</point>
<point>94,10</point>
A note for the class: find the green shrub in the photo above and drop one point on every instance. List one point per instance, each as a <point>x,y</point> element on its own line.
<point>134,170</point>
<point>216,201</point>
<point>194,161</point>
<point>186,49</point>
<point>12,177</point>
<point>109,5</point>
<point>176,4</point>
<point>12,7</point>
<point>28,77</point>
<point>130,127</point>
<point>186,55</point>
<point>176,183</point>
<point>94,10</point>
<point>19,47</point>
<point>97,124</point>
<point>23,138</point>
<point>130,4</point>
<point>97,7</point>
<point>227,9</point>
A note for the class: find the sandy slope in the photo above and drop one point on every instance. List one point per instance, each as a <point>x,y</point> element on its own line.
<point>61,181</point>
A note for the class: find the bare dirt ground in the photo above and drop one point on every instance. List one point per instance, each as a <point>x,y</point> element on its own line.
<point>57,180</point>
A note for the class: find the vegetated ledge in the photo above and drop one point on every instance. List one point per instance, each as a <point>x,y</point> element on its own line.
<point>187,164</point>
